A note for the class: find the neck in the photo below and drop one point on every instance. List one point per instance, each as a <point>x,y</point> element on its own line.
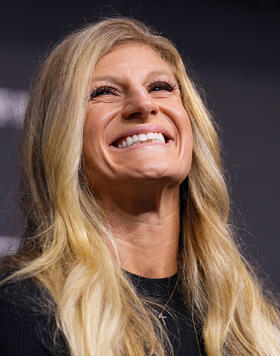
<point>146,229</point>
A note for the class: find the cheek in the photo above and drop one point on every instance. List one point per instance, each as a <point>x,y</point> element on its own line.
<point>96,159</point>
<point>185,128</point>
<point>188,131</point>
<point>188,138</point>
<point>94,125</point>
<point>88,138</point>
<point>91,137</point>
<point>186,141</point>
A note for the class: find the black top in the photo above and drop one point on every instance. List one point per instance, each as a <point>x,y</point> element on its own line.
<point>177,319</point>
<point>26,330</point>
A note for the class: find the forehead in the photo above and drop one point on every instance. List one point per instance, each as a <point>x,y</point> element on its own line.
<point>136,58</point>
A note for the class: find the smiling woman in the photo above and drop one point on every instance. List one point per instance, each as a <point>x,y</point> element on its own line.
<point>142,136</point>
<point>126,248</point>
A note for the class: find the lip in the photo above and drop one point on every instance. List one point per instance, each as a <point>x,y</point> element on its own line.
<point>142,129</point>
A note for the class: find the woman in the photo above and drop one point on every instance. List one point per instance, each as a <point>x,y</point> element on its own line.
<point>127,249</point>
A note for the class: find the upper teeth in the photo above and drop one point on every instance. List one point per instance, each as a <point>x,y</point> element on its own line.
<point>136,139</point>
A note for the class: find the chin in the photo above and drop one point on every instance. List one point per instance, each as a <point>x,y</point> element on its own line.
<point>154,169</point>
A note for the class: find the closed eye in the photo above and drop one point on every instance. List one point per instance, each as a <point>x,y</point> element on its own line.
<point>104,90</point>
<point>158,86</point>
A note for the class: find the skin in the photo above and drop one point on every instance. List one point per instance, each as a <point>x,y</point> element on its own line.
<point>138,187</point>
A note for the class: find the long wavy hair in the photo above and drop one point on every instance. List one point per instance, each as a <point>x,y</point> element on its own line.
<point>66,243</point>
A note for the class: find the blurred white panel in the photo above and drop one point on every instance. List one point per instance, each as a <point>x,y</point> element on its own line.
<point>12,106</point>
<point>8,245</point>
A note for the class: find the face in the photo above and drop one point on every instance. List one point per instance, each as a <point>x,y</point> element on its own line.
<point>136,127</point>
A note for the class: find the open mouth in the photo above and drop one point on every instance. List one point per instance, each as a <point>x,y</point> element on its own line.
<point>140,139</point>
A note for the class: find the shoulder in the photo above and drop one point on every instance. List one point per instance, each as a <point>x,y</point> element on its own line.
<point>23,299</point>
<point>16,291</point>
<point>26,328</point>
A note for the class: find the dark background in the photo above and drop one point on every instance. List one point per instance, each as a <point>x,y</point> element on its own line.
<point>231,50</point>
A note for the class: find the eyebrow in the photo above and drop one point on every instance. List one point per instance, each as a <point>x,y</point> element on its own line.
<point>116,79</point>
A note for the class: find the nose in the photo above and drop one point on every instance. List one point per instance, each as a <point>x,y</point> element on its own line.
<point>139,104</point>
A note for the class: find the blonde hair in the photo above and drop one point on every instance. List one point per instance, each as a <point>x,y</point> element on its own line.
<point>66,242</point>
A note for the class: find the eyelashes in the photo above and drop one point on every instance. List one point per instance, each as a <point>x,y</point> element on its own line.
<point>157,86</point>
<point>153,87</point>
<point>103,90</point>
